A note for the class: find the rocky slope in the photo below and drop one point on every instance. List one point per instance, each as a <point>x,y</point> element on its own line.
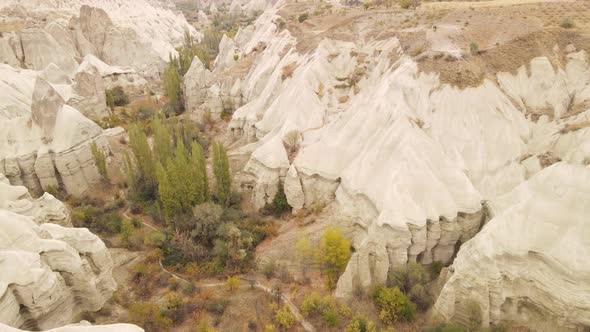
<point>83,327</point>
<point>45,209</point>
<point>530,264</point>
<point>137,34</point>
<point>45,142</point>
<point>353,121</point>
<point>48,273</point>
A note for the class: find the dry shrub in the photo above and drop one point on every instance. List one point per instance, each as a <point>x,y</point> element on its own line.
<point>288,70</point>
<point>343,99</point>
<point>206,293</point>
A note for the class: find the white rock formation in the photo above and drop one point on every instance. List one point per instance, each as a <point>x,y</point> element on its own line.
<point>202,18</point>
<point>48,273</point>
<point>82,327</point>
<point>46,209</point>
<point>406,163</point>
<point>530,264</point>
<point>140,34</point>
<point>248,7</point>
<point>44,142</point>
<point>197,82</point>
<point>113,76</point>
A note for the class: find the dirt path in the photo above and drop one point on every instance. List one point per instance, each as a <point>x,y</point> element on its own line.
<point>128,216</point>
<point>292,307</point>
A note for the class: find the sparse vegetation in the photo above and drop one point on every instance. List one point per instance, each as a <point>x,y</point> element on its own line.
<point>279,203</point>
<point>284,317</point>
<point>116,97</point>
<point>149,316</point>
<point>361,324</point>
<point>232,283</point>
<point>567,23</point>
<point>474,315</point>
<point>412,279</point>
<point>405,4</point>
<point>99,160</point>
<point>302,17</point>
<point>474,48</point>
<point>393,305</point>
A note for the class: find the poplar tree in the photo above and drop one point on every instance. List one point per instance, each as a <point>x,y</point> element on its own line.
<point>172,86</point>
<point>163,147</point>
<point>143,154</point>
<point>222,174</point>
<point>166,193</point>
<point>334,253</point>
<point>179,173</point>
<point>199,171</point>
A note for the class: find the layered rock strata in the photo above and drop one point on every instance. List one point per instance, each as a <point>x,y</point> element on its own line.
<point>48,273</point>
<point>44,142</point>
<point>530,264</point>
<point>390,145</point>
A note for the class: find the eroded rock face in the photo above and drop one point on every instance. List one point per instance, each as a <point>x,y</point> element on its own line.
<point>138,34</point>
<point>83,327</point>
<point>48,273</point>
<point>530,263</point>
<point>115,45</point>
<point>46,209</point>
<point>44,142</point>
<point>406,164</point>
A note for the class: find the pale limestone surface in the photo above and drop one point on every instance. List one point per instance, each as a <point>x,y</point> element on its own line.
<point>82,327</point>
<point>48,273</point>
<point>45,209</point>
<point>530,263</point>
<point>45,142</point>
<point>139,33</point>
<point>406,164</point>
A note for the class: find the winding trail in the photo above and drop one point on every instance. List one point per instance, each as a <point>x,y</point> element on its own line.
<point>292,307</point>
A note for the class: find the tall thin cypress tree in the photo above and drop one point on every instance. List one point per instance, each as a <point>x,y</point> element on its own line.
<point>222,174</point>
<point>143,154</point>
<point>163,148</point>
<point>166,193</point>
<point>199,171</point>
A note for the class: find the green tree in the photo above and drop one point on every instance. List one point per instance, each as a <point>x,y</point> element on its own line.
<point>199,173</point>
<point>179,171</point>
<point>100,161</point>
<point>360,324</point>
<point>334,253</point>
<point>126,231</point>
<point>279,203</point>
<point>222,174</point>
<point>412,279</point>
<point>149,316</point>
<point>116,97</point>
<point>172,86</point>
<point>393,305</point>
<point>143,154</point>
<point>166,193</point>
<point>205,223</point>
<point>163,148</point>
<point>284,317</point>
<point>232,283</point>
